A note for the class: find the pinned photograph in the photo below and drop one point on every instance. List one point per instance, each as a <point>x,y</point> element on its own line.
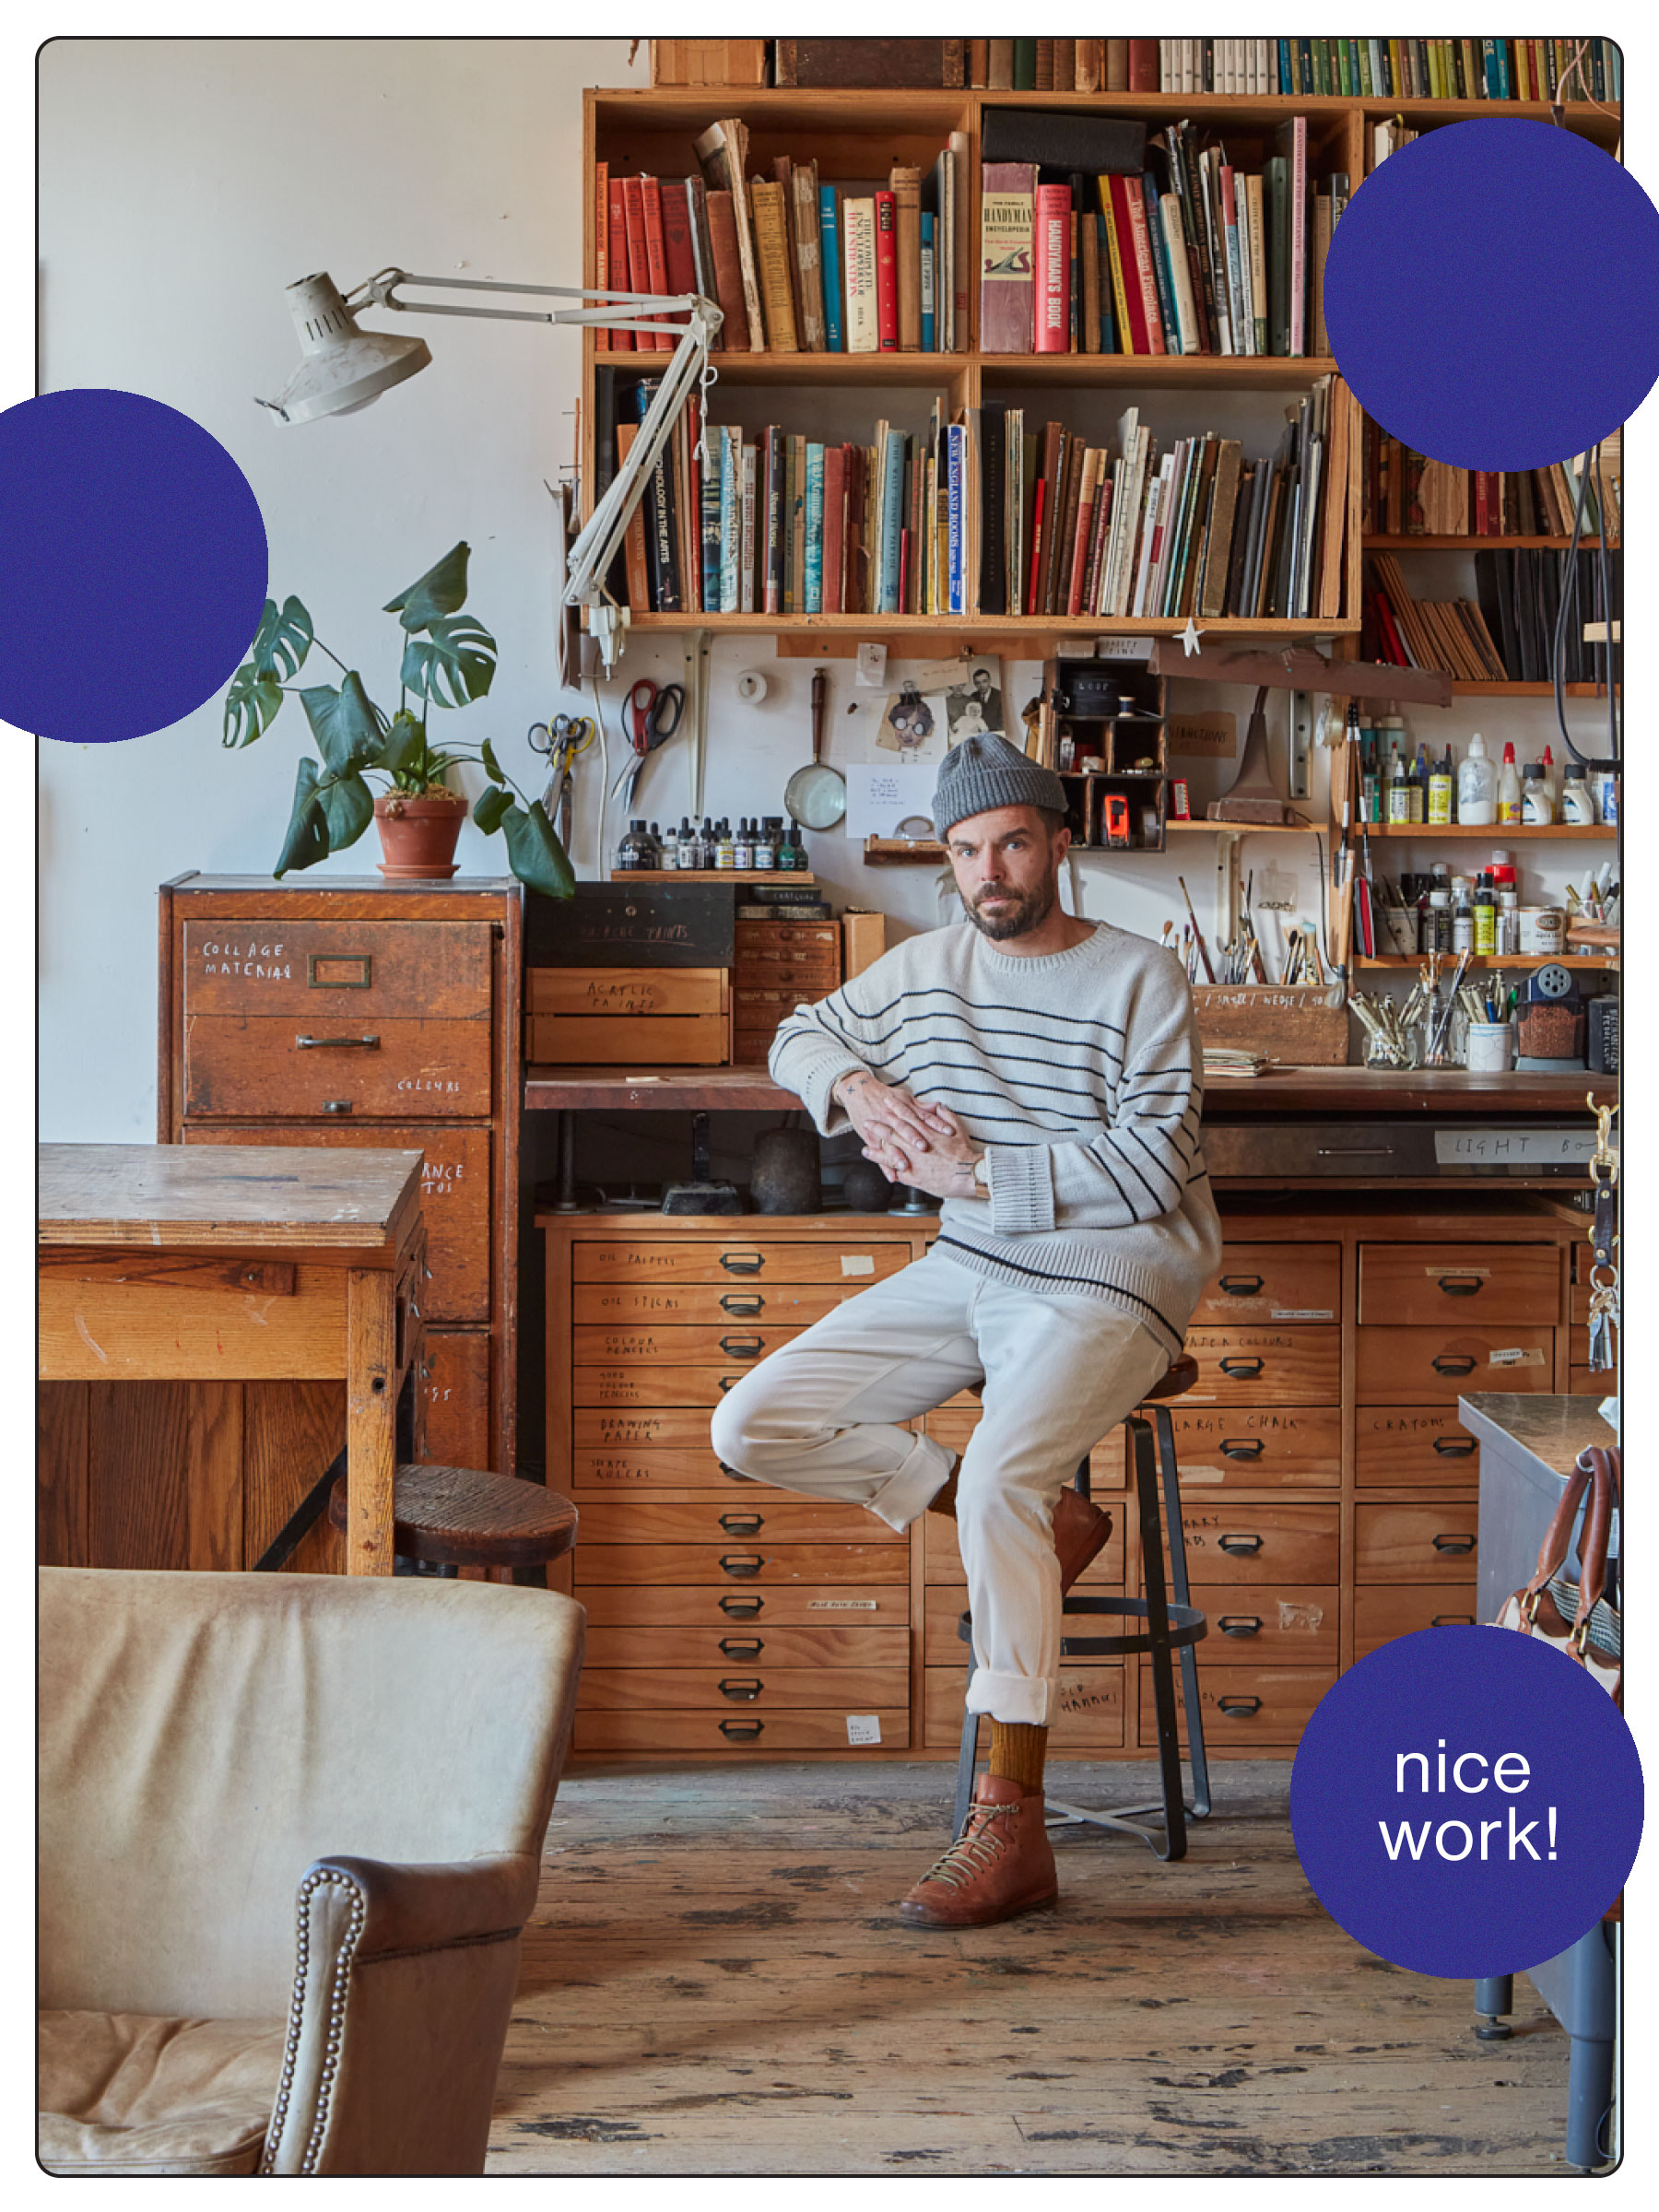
<point>913,727</point>
<point>975,707</point>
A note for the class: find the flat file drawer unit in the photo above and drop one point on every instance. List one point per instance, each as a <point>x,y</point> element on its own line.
<point>780,965</point>
<point>726,1617</point>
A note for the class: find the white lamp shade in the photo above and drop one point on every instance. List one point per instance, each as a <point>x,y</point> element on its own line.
<point>341,367</point>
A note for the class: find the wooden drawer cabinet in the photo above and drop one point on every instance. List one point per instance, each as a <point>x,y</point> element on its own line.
<point>1385,1611</point>
<point>942,1555</point>
<point>741,1645</point>
<point>1400,1366</point>
<point>1265,1367</point>
<point>1431,1285</point>
<point>736,1564</point>
<point>1397,1445</point>
<point>764,1735</point>
<point>645,1345</point>
<point>1415,1543</point>
<point>355,1012</point>
<point>744,1515</point>
<point>1274,1282</point>
<point>741,1686</point>
<point>729,1607</point>
<point>1252,1624</point>
<point>731,1260</point>
<point>1242,1706</point>
<point>711,1305</point>
<point>1271,1447</point>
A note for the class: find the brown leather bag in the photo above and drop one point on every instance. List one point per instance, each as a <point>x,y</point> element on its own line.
<point>1576,1617</point>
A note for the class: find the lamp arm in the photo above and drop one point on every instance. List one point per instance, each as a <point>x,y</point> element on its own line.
<point>622,310</point>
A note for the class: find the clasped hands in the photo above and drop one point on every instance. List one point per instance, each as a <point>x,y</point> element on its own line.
<point>910,1141</point>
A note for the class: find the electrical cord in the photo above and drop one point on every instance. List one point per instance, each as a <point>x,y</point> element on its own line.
<point>1569,593</point>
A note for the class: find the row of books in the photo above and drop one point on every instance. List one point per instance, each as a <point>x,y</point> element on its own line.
<point>1404,494</point>
<point>1068,528</point>
<point>795,266</point>
<point>1346,68</point>
<point>1193,254</point>
<point>1507,637</point>
<point>783,525</point>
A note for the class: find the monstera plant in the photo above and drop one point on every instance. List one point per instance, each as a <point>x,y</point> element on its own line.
<point>449,659</point>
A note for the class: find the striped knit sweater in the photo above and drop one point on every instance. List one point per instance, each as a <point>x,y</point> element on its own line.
<point>1081,1074</point>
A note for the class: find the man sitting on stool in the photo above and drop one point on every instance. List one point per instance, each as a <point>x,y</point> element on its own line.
<point>1042,1075</point>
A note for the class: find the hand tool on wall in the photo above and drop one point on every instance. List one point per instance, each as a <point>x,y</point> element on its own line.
<point>650,715</point>
<point>697,643</point>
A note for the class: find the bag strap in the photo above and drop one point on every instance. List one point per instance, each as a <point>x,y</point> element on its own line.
<point>1599,1524</point>
<point>1557,1539</point>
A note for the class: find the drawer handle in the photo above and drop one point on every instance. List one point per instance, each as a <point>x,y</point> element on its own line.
<point>1454,1447</point>
<point>742,1732</point>
<point>1242,1447</point>
<point>741,1564</point>
<point>1460,1286</point>
<point>1452,1621</point>
<point>743,1262</point>
<point>337,1105</point>
<point>743,1647</point>
<point>742,1307</point>
<point>1240,1368</point>
<point>731,1473</point>
<point>1355,1152</point>
<point>1238,1709</point>
<point>741,1524</point>
<point>1239,1548</point>
<point>742,1693</point>
<point>1460,1545</point>
<point>740,1608</point>
<point>1241,1286</point>
<point>333,1045</point>
<point>1240,1624</point>
<point>1454,1363</point>
<point>728,1383</point>
<point>743,1347</point>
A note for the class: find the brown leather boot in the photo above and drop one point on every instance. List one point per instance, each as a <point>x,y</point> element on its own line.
<point>1081,1530</point>
<point>1000,1864</point>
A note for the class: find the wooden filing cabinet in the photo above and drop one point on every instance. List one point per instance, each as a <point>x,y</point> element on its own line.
<point>353,1012</point>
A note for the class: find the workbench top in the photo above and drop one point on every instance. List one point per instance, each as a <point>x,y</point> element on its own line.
<point>231,1195</point>
<point>1549,1432</point>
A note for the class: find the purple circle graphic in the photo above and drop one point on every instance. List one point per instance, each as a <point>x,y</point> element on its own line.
<point>1492,294</point>
<point>133,556</point>
<point>1466,1802</point>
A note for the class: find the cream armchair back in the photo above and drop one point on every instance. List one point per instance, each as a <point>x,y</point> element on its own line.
<point>290,1828</point>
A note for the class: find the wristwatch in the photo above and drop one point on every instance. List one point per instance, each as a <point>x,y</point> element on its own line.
<point>981,1171</point>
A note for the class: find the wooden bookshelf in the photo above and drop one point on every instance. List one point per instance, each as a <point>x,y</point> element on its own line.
<point>1494,833</point>
<point>1469,543</point>
<point>1493,960</point>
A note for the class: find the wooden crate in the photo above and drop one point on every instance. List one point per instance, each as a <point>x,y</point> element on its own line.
<point>609,1017</point>
<point>708,62</point>
<point>1300,1025</point>
<point>875,64</point>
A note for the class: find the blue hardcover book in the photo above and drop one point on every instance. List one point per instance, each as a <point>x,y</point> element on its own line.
<point>1286,73</point>
<point>956,537</point>
<point>892,522</point>
<point>1489,56</point>
<point>813,582</point>
<point>731,517</point>
<point>830,261</point>
<point>1161,265</point>
<point>711,474</point>
<point>1505,90</point>
<point>1109,337</point>
<point>1304,76</point>
<point>929,344</point>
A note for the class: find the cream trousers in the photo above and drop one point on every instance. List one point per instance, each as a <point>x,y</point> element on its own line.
<point>1059,1373</point>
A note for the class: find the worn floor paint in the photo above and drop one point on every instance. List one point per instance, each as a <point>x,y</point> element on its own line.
<point>716,1981</point>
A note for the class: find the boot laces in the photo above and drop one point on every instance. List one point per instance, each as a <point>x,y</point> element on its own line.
<point>975,1851</point>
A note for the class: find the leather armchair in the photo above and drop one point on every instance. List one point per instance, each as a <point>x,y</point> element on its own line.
<point>235,1768</point>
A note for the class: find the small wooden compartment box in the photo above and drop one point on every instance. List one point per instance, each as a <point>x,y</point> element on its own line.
<point>1303,1025</point>
<point>603,1016</point>
<point>708,62</point>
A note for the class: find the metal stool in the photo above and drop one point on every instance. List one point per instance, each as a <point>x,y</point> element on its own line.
<point>453,1517</point>
<point>1169,1628</point>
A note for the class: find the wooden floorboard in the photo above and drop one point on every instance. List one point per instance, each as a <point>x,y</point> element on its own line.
<point>716,1981</point>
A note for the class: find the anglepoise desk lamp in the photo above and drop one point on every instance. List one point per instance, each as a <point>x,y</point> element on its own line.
<point>342,369</point>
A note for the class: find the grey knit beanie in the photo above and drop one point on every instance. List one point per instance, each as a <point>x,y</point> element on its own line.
<point>981,773</point>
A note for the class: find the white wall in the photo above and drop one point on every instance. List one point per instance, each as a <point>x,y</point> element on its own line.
<point>182,184</point>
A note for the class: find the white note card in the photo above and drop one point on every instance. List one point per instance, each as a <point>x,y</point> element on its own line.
<point>863,1727</point>
<point>858,1263</point>
<point>881,795</point>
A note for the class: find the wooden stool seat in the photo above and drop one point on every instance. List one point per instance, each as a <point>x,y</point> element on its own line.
<point>1177,1378</point>
<point>465,1517</point>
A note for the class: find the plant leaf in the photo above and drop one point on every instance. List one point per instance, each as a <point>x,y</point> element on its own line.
<point>307,839</point>
<point>456,667</point>
<point>282,640</point>
<point>404,747</point>
<point>493,806</point>
<point>348,806</point>
<point>347,724</point>
<point>492,767</point>
<point>250,706</point>
<point>440,592</point>
<point>534,854</point>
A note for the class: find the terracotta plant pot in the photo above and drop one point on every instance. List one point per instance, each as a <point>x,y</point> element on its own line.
<point>417,835</point>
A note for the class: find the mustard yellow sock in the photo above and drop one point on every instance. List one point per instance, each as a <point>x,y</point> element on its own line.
<point>1018,1751</point>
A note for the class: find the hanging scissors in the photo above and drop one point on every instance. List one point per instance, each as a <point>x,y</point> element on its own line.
<point>653,715</point>
<point>563,741</point>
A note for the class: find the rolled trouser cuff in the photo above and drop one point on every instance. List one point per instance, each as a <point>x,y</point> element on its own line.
<point>911,1488</point>
<point>1025,1700</point>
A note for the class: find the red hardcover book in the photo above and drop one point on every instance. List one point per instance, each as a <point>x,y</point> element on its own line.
<point>1054,268</point>
<point>886,272</point>
<point>1482,518</point>
<point>677,245</point>
<point>1008,217</point>
<point>633,201</point>
<point>1150,313</point>
<point>728,273</point>
<point>1034,585</point>
<point>1143,65</point>
<point>618,278</point>
<point>835,499</point>
<point>1124,232</point>
<point>1085,530</point>
<point>1097,550</point>
<point>656,261</point>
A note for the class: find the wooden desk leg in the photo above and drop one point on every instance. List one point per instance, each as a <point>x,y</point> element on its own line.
<point>371,1418</point>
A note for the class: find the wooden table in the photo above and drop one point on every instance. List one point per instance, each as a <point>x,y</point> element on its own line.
<point>237,1264</point>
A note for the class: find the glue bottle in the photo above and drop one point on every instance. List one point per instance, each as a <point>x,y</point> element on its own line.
<point>1509,788</point>
<point>1477,780</point>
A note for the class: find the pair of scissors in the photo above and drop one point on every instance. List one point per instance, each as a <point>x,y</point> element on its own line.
<point>564,740</point>
<point>653,715</point>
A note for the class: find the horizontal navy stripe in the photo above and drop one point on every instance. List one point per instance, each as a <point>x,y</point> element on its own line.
<point>1041,1274</point>
<point>1089,1021</point>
